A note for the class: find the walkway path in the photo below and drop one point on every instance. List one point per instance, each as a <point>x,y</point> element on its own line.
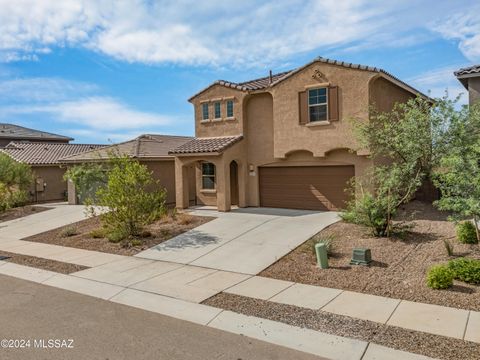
<point>243,240</point>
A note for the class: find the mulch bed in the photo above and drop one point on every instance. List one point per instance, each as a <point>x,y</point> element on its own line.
<point>21,211</point>
<point>394,337</point>
<point>45,264</point>
<point>160,231</point>
<point>400,263</point>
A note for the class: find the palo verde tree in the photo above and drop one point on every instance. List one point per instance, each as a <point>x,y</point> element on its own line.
<point>15,180</point>
<point>403,145</point>
<point>458,173</point>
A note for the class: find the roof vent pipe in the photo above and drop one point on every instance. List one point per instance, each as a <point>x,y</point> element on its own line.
<point>270,77</point>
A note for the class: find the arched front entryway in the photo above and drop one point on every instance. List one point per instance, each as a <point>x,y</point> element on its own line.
<point>234,183</point>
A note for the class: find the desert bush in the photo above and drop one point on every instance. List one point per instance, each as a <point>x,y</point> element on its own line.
<point>69,231</point>
<point>99,233</point>
<point>15,180</point>
<point>440,277</point>
<point>184,219</point>
<point>466,270</point>
<point>327,240</point>
<point>466,232</point>
<point>133,197</point>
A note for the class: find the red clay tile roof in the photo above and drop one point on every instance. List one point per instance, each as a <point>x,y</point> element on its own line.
<point>44,153</point>
<point>145,146</point>
<point>11,131</point>
<point>464,73</point>
<point>264,83</point>
<point>207,145</point>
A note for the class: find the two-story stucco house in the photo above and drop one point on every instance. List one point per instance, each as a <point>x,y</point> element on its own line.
<point>284,140</point>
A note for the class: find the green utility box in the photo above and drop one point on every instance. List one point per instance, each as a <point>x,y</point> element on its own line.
<point>322,258</point>
<point>361,256</point>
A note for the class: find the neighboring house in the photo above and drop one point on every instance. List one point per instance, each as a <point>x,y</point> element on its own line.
<point>10,132</point>
<point>470,78</point>
<point>151,150</point>
<point>44,159</point>
<point>283,140</point>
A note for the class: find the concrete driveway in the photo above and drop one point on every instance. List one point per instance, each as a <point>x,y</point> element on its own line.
<point>243,240</point>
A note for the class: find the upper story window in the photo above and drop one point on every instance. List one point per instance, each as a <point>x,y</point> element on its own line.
<point>317,104</point>
<point>208,176</point>
<point>229,108</point>
<point>205,111</point>
<point>217,110</point>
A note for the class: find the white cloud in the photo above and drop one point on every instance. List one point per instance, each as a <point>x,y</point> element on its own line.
<point>463,27</point>
<point>247,33</point>
<point>437,81</point>
<point>95,113</point>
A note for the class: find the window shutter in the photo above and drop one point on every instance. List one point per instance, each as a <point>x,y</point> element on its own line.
<point>333,103</point>
<point>302,108</point>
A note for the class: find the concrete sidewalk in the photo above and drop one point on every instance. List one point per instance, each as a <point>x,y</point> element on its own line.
<point>244,240</point>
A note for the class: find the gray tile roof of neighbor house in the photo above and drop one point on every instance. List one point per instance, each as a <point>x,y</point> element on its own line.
<point>12,131</point>
<point>267,82</point>
<point>148,146</point>
<point>41,153</point>
<point>207,145</point>
<point>467,72</point>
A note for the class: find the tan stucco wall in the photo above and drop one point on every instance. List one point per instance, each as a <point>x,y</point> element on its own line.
<point>223,127</point>
<point>55,185</point>
<point>473,90</point>
<point>353,104</point>
<point>384,94</point>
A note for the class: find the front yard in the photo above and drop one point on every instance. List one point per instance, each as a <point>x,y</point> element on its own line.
<point>400,264</point>
<point>21,211</point>
<point>86,234</point>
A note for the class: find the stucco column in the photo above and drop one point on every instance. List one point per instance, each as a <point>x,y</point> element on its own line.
<point>242,184</point>
<point>223,185</point>
<point>181,185</point>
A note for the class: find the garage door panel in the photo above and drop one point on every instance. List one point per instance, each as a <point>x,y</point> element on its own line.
<point>314,187</point>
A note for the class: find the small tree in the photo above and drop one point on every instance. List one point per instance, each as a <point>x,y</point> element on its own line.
<point>458,176</point>
<point>403,146</point>
<point>87,178</point>
<point>15,180</point>
<point>133,197</point>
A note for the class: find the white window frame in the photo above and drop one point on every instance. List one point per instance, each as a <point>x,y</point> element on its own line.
<point>215,110</point>
<point>319,104</point>
<point>209,176</point>
<point>226,109</point>
<point>205,106</point>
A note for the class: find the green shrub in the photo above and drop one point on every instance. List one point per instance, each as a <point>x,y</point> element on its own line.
<point>369,211</point>
<point>466,270</point>
<point>99,233</point>
<point>133,197</point>
<point>328,240</point>
<point>15,180</point>
<point>466,233</point>
<point>440,277</point>
<point>117,235</point>
<point>69,231</point>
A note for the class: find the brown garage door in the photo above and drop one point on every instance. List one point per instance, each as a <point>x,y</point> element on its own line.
<point>305,187</point>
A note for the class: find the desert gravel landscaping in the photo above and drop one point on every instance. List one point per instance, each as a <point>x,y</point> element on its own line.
<point>41,263</point>
<point>80,234</point>
<point>412,341</point>
<point>400,263</point>
<point>21,211</point>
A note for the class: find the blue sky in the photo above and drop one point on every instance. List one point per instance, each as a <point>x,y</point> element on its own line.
<point>105,70</point>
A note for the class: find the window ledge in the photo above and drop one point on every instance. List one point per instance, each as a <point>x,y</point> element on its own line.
<point>204,121</point>
<point>230,118</point>
<point>318,123</point>
<point>208,191</point>
<point>217,120</point>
